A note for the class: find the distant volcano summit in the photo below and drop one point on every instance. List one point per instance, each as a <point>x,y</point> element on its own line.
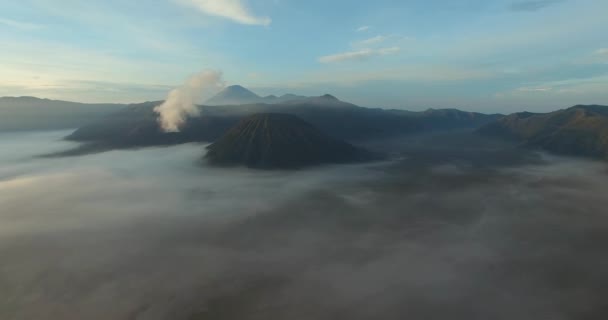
<point>280,141</point>
<point>234,95</point>
<point>237,95</point>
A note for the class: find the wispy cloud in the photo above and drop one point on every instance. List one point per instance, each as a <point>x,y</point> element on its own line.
<point>76,73</point>
<point>234,10</point>
<point>20,24</point>
<point>363,28</point>
<point>583,85</point>
<point>371,41</point>
<point>365,49</point>
<point>602,52</point>
<point>532,5</point>
<point>599,56</point>
<point>358,55</point>
<point>535,89</point>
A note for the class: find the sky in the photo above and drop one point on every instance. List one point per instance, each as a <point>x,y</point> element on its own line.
<point>482,55</point>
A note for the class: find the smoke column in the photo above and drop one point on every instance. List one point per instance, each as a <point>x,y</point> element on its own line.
<point>181,102</point>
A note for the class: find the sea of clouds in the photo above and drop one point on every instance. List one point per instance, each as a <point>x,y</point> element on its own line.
<point>446,230</point>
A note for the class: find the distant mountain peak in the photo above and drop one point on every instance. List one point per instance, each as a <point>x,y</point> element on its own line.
<point>234,94</point>
<point>238,88</point>
<point>329,97</point>
<point>237,95</point>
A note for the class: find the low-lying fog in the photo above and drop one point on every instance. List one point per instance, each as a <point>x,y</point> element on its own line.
<point>456,228</point>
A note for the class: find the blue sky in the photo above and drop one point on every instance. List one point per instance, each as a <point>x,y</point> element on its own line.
<point>490,55</point>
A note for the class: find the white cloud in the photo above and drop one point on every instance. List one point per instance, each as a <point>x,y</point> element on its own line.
<point>19,24</point>
<point>234,10</point>
<point>363,28</point>
<point>358,55</point>
<point>599,56</point>
<point>602,54</point>
<point>371,41</point>
<point>603,51</point>
<point>535,89</point>
<point>590,85</point>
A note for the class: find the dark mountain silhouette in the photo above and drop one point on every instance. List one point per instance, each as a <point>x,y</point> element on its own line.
<point>30,113</point>
<point>280,141</point>
<point>136,125</point>
<point>581,130</point>
<point>237,95</point>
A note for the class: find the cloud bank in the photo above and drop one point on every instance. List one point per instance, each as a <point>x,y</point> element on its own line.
<point>456,230</point>
<point>234,10</point>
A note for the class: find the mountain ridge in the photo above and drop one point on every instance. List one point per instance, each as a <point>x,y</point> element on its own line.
<point>136,125</point>
<point>238,95</point>
<point>581,130</point>
<point>33,113</point>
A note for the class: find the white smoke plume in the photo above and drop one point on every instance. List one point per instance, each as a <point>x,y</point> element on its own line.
<point>181,102</point>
